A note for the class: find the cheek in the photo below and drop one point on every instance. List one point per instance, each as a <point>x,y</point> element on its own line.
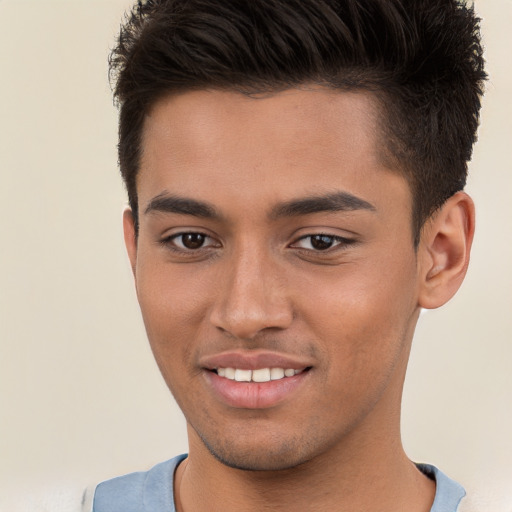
<point>170,296</point>
<point>173,307</point>
<point>363,333</point>
<point>361,314</point>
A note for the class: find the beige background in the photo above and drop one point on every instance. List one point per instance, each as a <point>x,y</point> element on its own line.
<point>81,399</point>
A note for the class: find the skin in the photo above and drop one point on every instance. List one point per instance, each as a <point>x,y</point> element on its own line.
<point>259,284</point>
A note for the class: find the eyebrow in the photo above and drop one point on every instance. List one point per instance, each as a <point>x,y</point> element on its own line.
<point>335,202</point>
<point>165,203</point>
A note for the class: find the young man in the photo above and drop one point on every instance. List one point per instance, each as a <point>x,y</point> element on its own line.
<point>295,172</point>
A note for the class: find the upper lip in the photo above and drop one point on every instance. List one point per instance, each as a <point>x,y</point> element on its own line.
<point>252,360</point>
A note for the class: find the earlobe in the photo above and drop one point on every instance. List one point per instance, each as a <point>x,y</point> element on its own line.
<point>130,238</point>
<point>443,254</point>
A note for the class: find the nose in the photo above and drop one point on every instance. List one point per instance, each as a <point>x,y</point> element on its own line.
<point>252,296</point>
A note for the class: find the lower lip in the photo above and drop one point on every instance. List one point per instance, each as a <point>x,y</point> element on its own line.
<point>254,395</point>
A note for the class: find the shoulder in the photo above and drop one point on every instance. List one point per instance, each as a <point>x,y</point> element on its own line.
<point>449,493</point>
<point>137,492</point>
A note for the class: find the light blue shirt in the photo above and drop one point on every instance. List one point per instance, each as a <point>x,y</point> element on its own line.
<point>152,491</point>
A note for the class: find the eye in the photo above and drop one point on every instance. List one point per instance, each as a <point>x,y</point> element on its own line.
<point>190,241</point>
<point>321,242</point>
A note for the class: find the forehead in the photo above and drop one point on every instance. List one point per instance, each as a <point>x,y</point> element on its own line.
<point>291,143</point>
<point>316,114</point>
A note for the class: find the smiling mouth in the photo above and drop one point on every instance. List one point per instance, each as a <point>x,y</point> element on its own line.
<point>258,375</point>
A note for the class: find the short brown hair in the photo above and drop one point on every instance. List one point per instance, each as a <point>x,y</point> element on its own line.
<point>422,58</point>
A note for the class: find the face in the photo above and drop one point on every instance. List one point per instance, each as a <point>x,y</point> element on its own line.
<point>275,271</point>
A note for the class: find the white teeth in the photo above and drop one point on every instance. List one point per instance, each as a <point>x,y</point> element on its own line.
<point>229,373</point>
<point>259,375</point>
<point>276,373</point>
<point>243,375</point>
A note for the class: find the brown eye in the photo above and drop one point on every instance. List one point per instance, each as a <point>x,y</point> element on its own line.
<point>322,242</point>
<point>190,243</point>
<point>192,240</point>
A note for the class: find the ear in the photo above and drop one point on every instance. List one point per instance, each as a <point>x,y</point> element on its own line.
<point>443,253</point>
<point>130,239</point>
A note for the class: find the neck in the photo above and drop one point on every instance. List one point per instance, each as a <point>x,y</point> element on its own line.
<point>350,477</point>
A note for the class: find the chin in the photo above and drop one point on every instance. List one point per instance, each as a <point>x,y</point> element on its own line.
<point>282,456</point>
<point>257,462</point>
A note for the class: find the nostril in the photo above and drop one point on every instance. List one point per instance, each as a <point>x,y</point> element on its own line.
<point>247,323</point>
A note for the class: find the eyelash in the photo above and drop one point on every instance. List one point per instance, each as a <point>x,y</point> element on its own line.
<point>338,241</point>
<point>170,242</point>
